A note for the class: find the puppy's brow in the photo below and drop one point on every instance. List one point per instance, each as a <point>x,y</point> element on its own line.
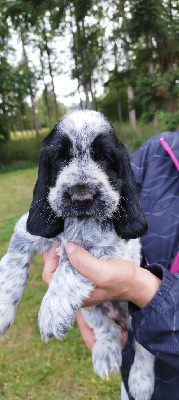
<point>98,140</point>
<point>103,144</point>
<point>62,141</point>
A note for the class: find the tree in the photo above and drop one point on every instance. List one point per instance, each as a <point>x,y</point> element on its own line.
<point>45,47</point>
<point>153,31</point>
<point>41,108</point>
<point>20,14</point>
<point>4,72</point>
<point>12,84</point>
<point>45,29</point>
<point>87,48</point>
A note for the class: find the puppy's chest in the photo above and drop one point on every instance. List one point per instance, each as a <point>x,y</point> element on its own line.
<point>100,239</point>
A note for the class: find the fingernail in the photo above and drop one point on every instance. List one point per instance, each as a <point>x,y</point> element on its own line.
<point>70,247</point>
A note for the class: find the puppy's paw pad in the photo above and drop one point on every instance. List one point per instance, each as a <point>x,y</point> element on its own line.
<point>107,358</point>
<point>141,383</point>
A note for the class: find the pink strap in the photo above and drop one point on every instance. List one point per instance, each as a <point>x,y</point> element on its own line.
<point>169,151</point>
<point>175,265</point>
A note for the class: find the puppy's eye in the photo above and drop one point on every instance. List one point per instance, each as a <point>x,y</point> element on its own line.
<point>99,156</point>
<point>63,159</point>
<point>102,157</point>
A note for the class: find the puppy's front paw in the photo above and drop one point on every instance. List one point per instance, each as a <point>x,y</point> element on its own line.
<point>141,382</point>
<point>7,316</point>
<point>55,319</point>
<point>107,358</point>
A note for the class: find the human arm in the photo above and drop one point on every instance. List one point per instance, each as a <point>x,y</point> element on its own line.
<point>155,312</point>
<point>153,294</point>
<point>156,326</point>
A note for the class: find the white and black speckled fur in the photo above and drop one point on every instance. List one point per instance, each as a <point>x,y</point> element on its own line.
<point>106,219</point>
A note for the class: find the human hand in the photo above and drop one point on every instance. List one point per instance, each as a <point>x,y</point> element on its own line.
<point>51,259</point>
<point>102,273</point>
<point>113,278</point>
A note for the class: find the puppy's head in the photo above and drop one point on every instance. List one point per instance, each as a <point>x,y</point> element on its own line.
<point>84,172</point>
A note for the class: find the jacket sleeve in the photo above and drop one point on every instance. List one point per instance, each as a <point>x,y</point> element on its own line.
<point>156,326</point>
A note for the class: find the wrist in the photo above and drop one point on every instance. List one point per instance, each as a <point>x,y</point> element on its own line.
<point>144,286</point>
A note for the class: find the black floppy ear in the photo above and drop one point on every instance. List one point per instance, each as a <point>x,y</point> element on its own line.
<point>41,220</point>
<point>130,221</point>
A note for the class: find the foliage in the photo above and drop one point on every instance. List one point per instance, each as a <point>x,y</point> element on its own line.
<point>20,152</point>
<point>133,139</point>
<point>170,119</point>
<point>155,21</point>
<point>108,104</point>
<point>130,48</point>
<point>42,112</point>
<point>87,47</point>
<point>4,131</point>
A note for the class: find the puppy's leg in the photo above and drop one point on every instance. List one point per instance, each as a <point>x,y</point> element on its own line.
<point>14,271</point>
<point>65,296</point>
<point>141,377</point>
<point>106,353</point>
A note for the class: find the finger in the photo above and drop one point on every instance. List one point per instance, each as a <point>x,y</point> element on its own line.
<point>124,339</point>
<point>98,296</point>
<point>87,265</point>
<point>49,254</point>
<point>47,274</point>
<point>91,308</point>
<point>51,260</point>
<point>86,332</point>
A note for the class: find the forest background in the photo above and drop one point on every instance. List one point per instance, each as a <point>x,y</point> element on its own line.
<point>122,57</point>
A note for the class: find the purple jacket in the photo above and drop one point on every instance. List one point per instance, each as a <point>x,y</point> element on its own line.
<point>156,326</point>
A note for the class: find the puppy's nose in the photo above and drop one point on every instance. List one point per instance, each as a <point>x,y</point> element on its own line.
<point>81,196</point>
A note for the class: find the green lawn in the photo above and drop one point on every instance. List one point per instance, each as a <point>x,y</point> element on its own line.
<point>29,368</point>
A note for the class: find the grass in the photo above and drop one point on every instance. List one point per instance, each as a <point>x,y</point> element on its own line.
<point>21,152</point>
<point>30,369</point>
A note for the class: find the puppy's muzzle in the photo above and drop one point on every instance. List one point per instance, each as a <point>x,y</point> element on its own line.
<point>81,197</point>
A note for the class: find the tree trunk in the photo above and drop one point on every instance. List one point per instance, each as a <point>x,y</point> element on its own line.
<point>93,102</point>
<point>150,62</point>
<point>35,117</point>
<point>119,109</point>
<point>130,95</point>
<point>173,103</point>
<point>50,70</point>
<point>35,120</point>
<point>132,114</point>
<point>88,103</point>
<point>150,65</point>
<point>45,89</point>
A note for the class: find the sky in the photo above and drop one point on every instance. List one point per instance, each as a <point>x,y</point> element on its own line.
<point>64,84</point>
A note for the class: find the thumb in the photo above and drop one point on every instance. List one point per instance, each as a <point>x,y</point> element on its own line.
<point>85,263</point>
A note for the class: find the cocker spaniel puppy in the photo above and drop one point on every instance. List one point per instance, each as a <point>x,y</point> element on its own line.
<point>86,193</point>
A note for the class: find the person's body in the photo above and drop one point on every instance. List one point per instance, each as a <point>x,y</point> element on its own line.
<point>153,292</point>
